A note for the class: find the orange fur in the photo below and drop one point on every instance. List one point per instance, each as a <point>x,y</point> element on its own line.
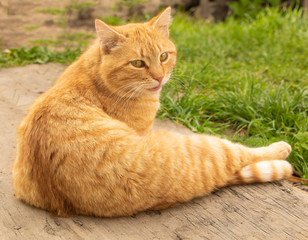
<point>87,146</point>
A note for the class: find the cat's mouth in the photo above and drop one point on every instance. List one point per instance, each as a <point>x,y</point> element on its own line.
<point>155,88</point>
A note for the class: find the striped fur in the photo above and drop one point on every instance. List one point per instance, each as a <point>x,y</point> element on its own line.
<point>87,146</point>
<point>265,171</point>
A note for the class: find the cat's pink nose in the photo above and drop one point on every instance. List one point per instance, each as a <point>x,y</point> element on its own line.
<point>159,79</point>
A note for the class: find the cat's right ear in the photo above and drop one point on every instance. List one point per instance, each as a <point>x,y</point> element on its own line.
<point>108,36</point>
<point>162,21</point>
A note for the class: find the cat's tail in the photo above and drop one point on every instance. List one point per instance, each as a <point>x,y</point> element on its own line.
<point>265,171</point>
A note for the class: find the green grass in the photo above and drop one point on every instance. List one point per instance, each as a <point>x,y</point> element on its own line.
<point>37,54</point>
<point>62,13</point>
<point>243,79</point>
<point>47,42</point>
<point>112,20</point>
<point>247,77</point>
<point>79,6</point>
<point>68,40</point>
<point>62,22</point>
<point>77,36</point>
<point>129,4</point>
<point>32,27</point>
<point>53,11</point>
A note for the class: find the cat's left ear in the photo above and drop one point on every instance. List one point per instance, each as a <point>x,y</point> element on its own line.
<point>162,21</point>
<point>108,36</point>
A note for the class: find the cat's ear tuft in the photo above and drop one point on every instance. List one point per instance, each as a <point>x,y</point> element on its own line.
<point>108,36</point>
<point>162,21</point>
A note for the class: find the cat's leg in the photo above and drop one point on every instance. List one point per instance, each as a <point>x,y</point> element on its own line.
<point>253,164</point>
<point>134,173</point>
<point>275,151</point>
<point>166,168</point>
<point>267,169</point>
<point>264,171</point>
<point>259,172</point>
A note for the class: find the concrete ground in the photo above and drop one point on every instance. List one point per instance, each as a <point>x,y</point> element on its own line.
<point>257,211</point>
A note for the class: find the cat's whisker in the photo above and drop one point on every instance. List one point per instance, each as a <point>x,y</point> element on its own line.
<point>125,98</point>
<point>122,89</point>
<point>130,86</point>
<point>134,91</point>
<point>138,88</point>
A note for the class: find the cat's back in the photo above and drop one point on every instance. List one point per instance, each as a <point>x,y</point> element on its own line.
<point>63,116</point>
<point>61,128</point>
<point>56,111</point>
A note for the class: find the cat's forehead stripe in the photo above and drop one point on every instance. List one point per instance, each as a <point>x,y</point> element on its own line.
<point>145,40</point>
<point>141,53</point>
<point>150,44</point>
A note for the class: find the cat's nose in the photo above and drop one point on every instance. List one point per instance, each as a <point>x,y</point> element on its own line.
<point>159,78</point>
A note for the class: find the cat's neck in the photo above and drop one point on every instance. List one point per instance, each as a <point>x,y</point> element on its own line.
<point>138,113</point>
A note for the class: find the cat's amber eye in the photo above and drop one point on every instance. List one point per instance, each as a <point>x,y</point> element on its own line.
<point>163,57</point>
<point>138,63</point>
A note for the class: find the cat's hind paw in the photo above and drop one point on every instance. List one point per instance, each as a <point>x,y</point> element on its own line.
<point>281,150</point>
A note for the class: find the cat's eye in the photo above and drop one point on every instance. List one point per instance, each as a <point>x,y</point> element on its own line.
<point>163,57</point>
<point>138,63</point>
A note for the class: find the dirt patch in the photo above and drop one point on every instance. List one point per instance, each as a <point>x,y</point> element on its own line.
<point>22,22</point>
<point>58,23</point>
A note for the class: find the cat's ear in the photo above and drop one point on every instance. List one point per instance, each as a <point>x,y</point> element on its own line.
<point>108,36</point>
<point>162,21</point>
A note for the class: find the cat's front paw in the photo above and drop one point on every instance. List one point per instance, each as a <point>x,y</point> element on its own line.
<point>281,150</point>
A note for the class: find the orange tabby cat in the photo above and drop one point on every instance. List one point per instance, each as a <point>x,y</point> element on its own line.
<point>87,147</point>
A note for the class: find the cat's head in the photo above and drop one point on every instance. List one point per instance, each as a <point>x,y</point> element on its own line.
<point>136,58</point>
